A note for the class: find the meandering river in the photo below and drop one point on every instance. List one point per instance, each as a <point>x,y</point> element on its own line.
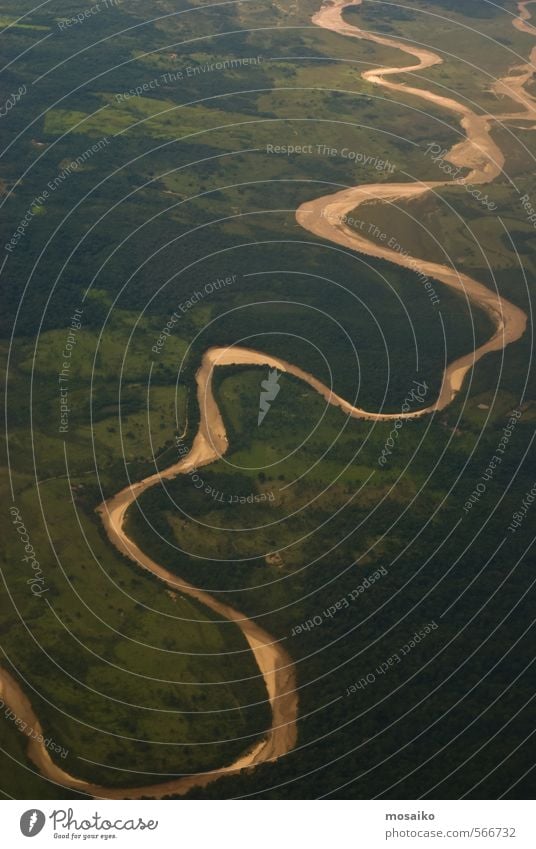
<point>325,217</point>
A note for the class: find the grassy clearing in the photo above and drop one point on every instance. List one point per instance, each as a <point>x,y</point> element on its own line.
<point>12,22</point>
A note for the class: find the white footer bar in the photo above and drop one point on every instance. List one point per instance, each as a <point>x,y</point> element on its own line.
<point>271,824</point>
